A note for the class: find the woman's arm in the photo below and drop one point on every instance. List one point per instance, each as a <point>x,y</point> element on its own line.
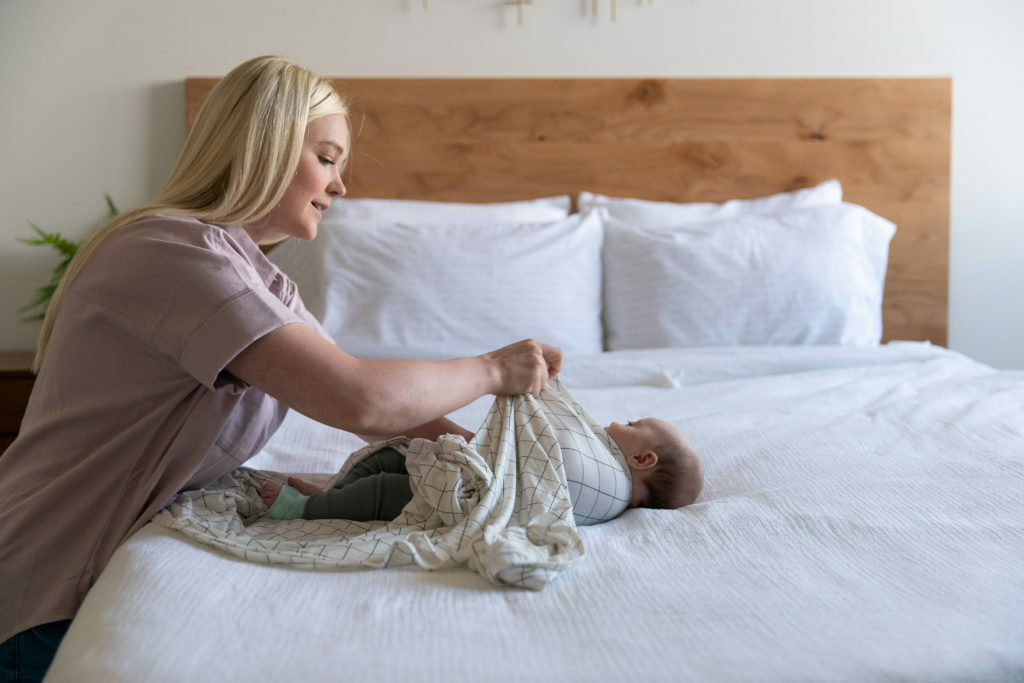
<point>382,396</point>
<point>431,430</point>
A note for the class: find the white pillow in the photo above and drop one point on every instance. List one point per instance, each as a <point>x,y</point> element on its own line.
<point>647,214</point>
<point>809,276</point>
<point>407,210</point>
<point>396,289</point>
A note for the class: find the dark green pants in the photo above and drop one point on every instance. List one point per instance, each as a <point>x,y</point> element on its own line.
<point>375,489</point>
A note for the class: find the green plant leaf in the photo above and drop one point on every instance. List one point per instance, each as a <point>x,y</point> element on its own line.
<point>67,249</point>
<point>42,295</point>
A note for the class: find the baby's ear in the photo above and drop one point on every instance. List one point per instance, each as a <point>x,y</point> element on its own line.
<point>643,460</point>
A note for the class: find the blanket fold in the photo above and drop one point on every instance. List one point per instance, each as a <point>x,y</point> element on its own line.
<point>498,505</point>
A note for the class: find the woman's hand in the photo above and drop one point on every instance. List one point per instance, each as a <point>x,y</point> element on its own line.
<point>524,367</point>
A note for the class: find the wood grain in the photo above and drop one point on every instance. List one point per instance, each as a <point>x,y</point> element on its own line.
<point>886,140</point>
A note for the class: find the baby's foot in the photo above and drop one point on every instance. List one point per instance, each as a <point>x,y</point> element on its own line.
<point>271,490</point>
<point>303,487</point>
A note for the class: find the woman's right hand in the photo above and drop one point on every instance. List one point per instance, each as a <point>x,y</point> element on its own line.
<point>524,367</point>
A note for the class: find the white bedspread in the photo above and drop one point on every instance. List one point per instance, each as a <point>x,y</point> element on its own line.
<point>862,520</point>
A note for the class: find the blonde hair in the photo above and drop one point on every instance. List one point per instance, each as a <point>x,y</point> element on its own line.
<point>237,160</point>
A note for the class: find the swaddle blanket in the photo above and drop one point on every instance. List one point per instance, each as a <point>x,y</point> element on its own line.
<point>595,468</point>
<point>498,504</point>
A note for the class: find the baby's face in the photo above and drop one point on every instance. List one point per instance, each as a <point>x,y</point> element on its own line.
<point>636,437</point>
<point>639,442</point>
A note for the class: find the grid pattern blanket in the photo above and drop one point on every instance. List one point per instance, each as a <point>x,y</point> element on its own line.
<point>498,505</point>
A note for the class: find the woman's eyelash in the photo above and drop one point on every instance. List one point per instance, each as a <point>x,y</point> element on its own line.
<point>325,160</point>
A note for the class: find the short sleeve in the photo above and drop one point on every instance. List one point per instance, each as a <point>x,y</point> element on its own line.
<point>198,293</point>
<point>241,321</point>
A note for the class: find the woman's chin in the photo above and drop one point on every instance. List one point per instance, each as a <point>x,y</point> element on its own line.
<point>305,232</point>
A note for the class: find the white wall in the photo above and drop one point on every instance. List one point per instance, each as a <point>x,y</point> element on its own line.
<point>92,97</point>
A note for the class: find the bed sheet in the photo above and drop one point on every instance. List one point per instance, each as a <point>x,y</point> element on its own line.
<point>862,519</point>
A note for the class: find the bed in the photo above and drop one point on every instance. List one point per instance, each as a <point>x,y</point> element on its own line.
<point>761,262</point>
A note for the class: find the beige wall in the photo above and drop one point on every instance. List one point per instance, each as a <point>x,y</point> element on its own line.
<point>92,97</point>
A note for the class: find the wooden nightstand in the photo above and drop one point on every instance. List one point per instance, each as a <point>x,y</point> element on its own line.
<point>16,380</point>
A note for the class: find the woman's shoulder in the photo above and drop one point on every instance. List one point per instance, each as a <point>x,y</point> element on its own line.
<point>173,228</point>
<point>165,231</point>
<point>202,261</point>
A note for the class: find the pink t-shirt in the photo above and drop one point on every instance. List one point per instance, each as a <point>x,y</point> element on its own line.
<point>133,403</point>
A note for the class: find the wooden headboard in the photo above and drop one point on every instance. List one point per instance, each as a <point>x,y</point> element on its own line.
<point>886,140</point>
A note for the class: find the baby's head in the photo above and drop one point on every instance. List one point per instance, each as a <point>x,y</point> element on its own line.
<point>664,468</point>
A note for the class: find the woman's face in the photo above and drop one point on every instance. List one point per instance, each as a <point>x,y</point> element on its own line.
<point>317,182</point>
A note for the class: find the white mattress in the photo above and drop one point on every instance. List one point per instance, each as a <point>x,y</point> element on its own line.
<point>862,519</point>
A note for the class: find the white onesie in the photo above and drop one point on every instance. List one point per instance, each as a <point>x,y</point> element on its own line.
<point>595,468</point>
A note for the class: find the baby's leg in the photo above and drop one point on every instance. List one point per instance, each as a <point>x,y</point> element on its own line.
<point>377,488</point>
<point>385,460</point>
<point>303,486</point>
<point>272,489</point>
<point>378,496</point>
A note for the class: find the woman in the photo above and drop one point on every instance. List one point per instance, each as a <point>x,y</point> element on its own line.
<point>173,349</point>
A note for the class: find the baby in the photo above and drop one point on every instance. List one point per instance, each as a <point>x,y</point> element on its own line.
<point>663,472</point>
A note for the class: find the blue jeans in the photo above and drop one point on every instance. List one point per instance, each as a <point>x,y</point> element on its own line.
<point>28,655</point>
